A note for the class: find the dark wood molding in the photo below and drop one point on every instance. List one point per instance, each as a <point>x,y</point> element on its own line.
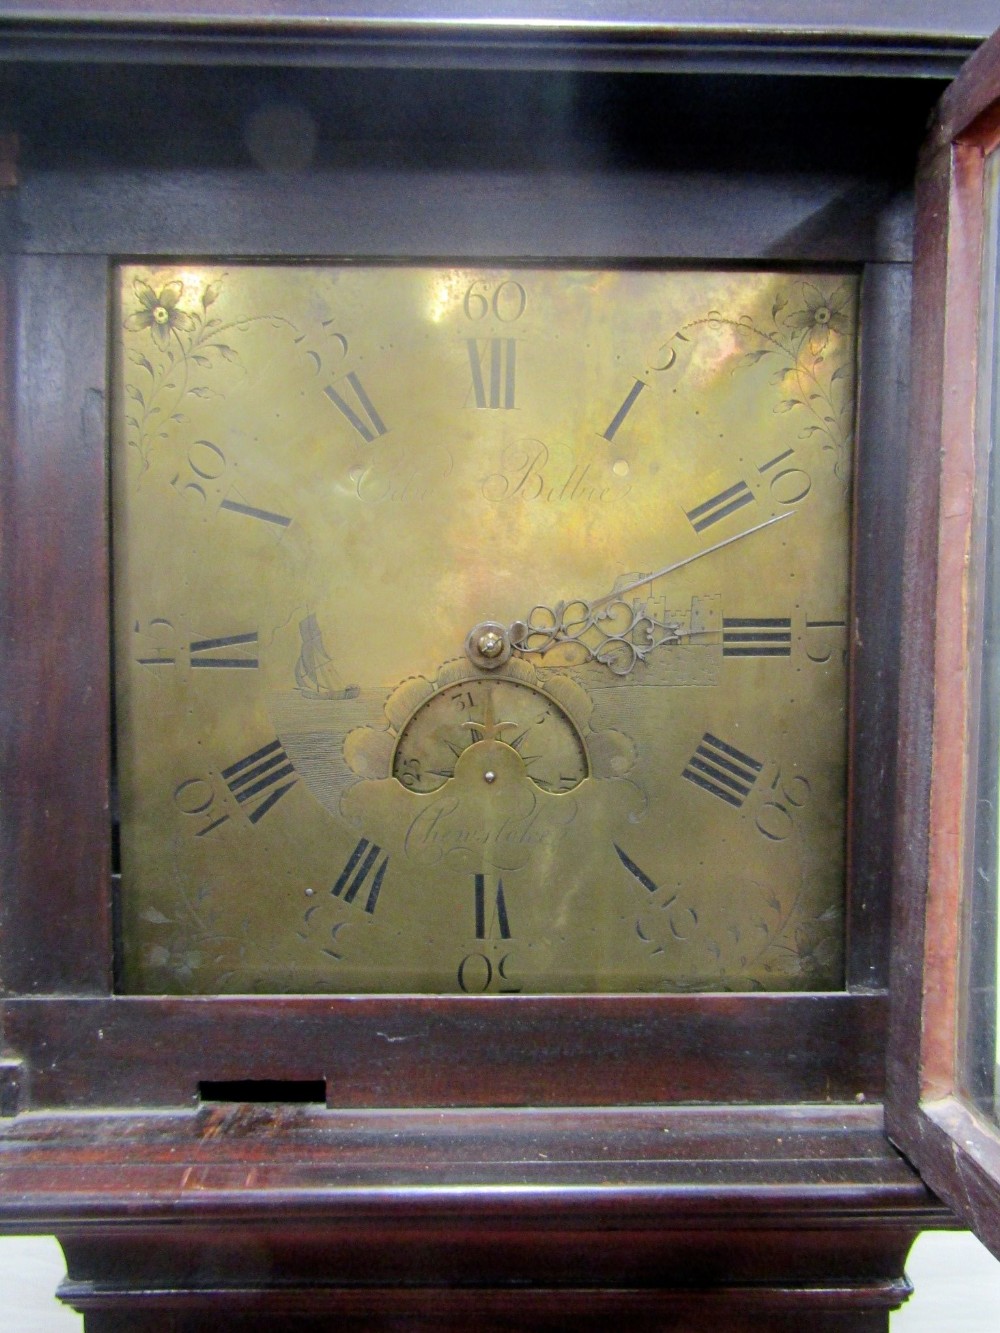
<point>912,825</point>
<point>55,835</point>
<point>686,35</point>
<point>967,1177</point>
<point>657,1215</point>
<point>407,214</point>
<point>967,107</point>
<point>861,1307</point>
<point>946,269</point>
<point>456,1051</point>
<point>956,1150</point>
<point>879,487</point>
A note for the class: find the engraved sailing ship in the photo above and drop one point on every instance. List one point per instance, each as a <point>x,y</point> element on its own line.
<point>314,676</point>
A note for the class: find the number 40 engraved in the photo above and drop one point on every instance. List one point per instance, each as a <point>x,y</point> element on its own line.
<point>257,782</point>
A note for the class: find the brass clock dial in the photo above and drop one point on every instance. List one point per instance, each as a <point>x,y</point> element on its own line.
<point>526,718</point>
<point>481,630</point>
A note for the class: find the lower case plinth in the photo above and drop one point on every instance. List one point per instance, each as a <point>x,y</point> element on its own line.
<point>747,1219</point>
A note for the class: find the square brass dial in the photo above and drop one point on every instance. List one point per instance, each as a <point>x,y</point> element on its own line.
<point>481,630</point>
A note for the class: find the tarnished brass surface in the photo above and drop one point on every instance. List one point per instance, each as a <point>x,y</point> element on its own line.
<point>326,478</point>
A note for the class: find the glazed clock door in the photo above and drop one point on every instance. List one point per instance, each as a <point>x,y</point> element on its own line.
<point>482,630</point>
<point>944,1110</point>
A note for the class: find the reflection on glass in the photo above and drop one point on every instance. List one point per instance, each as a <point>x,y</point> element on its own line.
<point>980,1054</point>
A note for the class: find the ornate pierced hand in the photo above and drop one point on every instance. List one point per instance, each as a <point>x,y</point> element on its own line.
<point>609,630</point>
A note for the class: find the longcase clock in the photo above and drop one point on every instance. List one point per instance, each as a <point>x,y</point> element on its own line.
<point>500,739</point>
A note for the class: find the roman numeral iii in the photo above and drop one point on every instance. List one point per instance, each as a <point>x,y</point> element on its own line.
<point>756,637</point>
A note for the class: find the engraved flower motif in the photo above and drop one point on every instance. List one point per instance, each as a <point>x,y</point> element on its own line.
<point>817,947</point>
<point>181,962</point>
<point>159,312</point>
<point>821,316</point>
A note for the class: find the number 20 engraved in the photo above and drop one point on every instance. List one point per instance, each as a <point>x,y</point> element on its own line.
<point>776,818</point>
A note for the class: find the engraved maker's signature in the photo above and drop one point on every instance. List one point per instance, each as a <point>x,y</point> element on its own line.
<point>529,472</point>
<point>443,830</point>
<point>396,475</point>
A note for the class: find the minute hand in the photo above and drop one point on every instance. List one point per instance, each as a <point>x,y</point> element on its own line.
<point>679,564</point>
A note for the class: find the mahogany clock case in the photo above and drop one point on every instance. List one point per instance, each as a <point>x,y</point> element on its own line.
<point>733,1143</point>
<point>152,162</point>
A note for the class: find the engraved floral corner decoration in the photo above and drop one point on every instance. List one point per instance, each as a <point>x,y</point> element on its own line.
<point>186,344</point>
<point>814,371</point>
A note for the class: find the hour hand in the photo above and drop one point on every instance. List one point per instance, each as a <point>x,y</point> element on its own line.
<point>615,632</point>
<point>611,630</point>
